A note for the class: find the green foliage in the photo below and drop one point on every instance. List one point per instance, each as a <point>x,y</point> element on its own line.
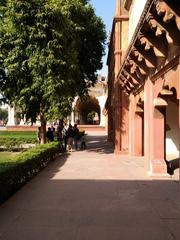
<point>34,50</point>
<point>51,51</point>
<point>7,156</point>
<point>91,115</point>
<point>90,35</point>
<point>15,173</point>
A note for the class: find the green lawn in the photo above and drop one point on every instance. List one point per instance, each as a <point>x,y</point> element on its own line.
<point>20,134</point>
<point>7,156</point>
<point>12,141</point>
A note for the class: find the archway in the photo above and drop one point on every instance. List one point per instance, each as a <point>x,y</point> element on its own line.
<point>87,111</point>
<point>172,127</point>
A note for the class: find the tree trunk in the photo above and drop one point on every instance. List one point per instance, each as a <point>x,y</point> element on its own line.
<point>43,124</point>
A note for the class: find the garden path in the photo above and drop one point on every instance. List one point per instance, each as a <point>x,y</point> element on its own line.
<point>93,195</point>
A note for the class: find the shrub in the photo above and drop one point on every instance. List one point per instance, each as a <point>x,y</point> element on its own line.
<point>16,173</point>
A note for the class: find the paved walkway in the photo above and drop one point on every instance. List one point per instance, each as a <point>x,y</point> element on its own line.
<point>93,195</point>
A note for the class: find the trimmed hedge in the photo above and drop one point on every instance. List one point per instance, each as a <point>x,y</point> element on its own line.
<point>16,173</point>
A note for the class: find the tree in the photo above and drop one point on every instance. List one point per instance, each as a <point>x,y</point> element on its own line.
<point>49,53</point>
<point>90,35</point>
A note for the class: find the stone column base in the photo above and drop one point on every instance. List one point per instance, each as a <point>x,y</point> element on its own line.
<point>118,152</point>
<point>158,167</point>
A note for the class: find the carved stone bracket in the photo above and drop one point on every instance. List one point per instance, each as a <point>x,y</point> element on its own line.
<point>153,46</point>
<point>159,47</point>
<point>144,42</point>
<point>139,109</point>
<point>168,14</point>
<point>135,67</point>
<point>126,89</point>
<point>150,60</point>
<point>159,102</point>
<point>130,79</point>
<point>123,79</point>
<point>166,92</point>
<point>133,75</point>
<point>141,65</point>
<point>125,76</point>
<point>130,85</point>
<point>160,29</point>
<point>154,25</point>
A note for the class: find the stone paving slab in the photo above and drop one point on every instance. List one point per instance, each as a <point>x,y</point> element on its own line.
<point>93,195</point>
<point>118,233</point>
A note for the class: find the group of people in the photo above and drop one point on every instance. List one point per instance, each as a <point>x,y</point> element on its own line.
<point>68,137</point>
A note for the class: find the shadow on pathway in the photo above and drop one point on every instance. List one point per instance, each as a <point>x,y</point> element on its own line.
<point>99,144</point>
<point>92,195</point>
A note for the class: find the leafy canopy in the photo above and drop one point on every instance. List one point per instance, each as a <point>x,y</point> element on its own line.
<point>50,51</point>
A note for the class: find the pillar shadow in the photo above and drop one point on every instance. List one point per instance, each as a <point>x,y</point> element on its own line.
<point>99,144</point>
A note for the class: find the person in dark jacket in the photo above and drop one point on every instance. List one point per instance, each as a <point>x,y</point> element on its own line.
<point>76,136</point>
<point>70,136</point>
<point>50,135</point>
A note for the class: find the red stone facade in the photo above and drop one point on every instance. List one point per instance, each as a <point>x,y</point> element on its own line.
<point>144,84</point>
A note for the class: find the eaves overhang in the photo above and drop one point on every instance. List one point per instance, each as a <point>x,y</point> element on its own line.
<point>157,30</point>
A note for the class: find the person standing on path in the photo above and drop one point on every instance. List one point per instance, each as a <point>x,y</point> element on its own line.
<point>70,136</point>
<point>76,136</point>
<point>50,135</point>
<point>64,136</point>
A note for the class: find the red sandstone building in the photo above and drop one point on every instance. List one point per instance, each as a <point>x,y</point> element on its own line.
<point>144,82</point>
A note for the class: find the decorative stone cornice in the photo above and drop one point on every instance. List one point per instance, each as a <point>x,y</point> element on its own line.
<point>148,51</point>
<point>163,9</point>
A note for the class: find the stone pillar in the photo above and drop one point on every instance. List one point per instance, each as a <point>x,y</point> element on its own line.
<point>23,121</point>
<point>117,93</point>
<point>125,124</point>
<point>11,116</point>
<point>138,140</point>
<point>135,128</point>
<point>117,119</point>
<point>158,161</point>
<point>73,111</point>
<point>148,117</point>
<point>132,125</point>
<point>120,110</point>
<point>110,123</point>
<point>154,134</point>
<point>72,117</point>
